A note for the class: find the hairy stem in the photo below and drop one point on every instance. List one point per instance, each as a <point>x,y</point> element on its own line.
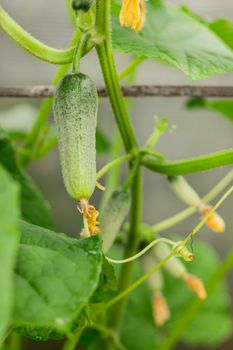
<point>104,50</point>
<point>34,46</point>
<point>79,51</point>
<point>113,163</point>
<point>193,165</point>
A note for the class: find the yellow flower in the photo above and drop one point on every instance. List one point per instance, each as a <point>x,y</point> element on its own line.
<point>132,14</point>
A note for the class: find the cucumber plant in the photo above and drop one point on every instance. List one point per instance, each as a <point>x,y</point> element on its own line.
<point>88,291</point>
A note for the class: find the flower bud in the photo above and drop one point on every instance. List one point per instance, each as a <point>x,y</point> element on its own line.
<point>155,281</point>
<point>196,285</point>
<point>184,191</point>
<point>113,215</point>
<point>215,222</point>
<point>182,251</point>
<point>160,309</point>
<point>173,266</point>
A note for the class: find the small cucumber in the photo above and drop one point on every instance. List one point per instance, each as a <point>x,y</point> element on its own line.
<point>113,215</point>
<point>83,5</point>
<point>75,111</point>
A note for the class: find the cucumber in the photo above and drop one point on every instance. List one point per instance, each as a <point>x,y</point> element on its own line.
<point>83,5</point>
<point>75,112</point>
<point>113,215</point>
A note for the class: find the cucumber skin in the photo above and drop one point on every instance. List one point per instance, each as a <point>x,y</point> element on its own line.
<point>75,113</point>
<point>83,5</point>
<point>113,215</point>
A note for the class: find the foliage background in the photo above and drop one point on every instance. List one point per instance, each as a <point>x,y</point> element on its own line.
<point>49,22</point>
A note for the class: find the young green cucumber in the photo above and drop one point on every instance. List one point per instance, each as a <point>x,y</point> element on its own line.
<point>83,5</point>
<point>113,215</point>
<point>75,111</point>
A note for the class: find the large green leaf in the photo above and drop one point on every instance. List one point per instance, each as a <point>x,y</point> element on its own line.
<point>107,284</point>
<point>212,325</point>
<point>55,277</point>
<point>172,35</point>
<point>34,207</point>
<point>224,29</point>
<point>9,236</point>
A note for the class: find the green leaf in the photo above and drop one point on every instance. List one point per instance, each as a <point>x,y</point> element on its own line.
<point>172,35</point>
<point>55,278</point>
<point>223,107</point>
<point>102,143</point>
<point>35,209</point>
<point>213,324</point>
<point>9,236</point>
<point>107,284</point>
<point>224,29</point>
<point>138,330</point>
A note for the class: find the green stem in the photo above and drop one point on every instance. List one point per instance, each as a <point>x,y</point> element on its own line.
<point>80,49</point>
<point>134,285</point>
<point>104,50</point>
<point>129,289</point>
<point>184,214</point>
<point>193,165</point>
<point>15,341</point>
<point>112,164</point>
<point>132,174</point>
<point>130,249</point>
<point>195,305</point>
<point>34,46</point>
<point>29,43</point>
<point>71,13</point>
<point>113,175</point>
<point>73,338</point>
<point>131,67</point>
<point>37,130</point>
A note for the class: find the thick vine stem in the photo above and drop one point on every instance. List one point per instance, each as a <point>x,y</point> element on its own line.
<point>34,46</point>
<point>193,165</point>
<point>104,51</point>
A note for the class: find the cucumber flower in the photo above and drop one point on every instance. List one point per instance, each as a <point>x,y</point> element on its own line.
<point>132,14</point>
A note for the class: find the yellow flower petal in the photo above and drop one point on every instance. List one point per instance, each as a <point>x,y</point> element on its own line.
<point>132,14</point>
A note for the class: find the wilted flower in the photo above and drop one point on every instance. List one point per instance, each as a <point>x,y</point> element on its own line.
<point>215,222</point>
<point>132,14</point>
<point>196,285</point>
<point>160,309</point>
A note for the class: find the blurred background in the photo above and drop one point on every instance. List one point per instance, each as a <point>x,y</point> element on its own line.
<point>197,132</point>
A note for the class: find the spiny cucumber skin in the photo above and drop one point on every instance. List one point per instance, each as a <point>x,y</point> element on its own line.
<point>113,215</point>
<point>83,5</point>
<point>75,112</point>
